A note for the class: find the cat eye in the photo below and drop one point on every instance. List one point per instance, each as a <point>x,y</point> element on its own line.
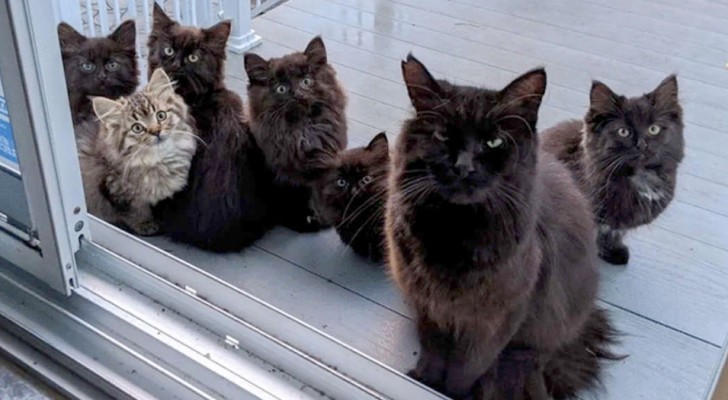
<point>88,67</point>
<point>112,66</point>
<point>494,143</point>
<point>341,182</point>
<point>439,136</point>
<point>168,51</point>
<point>161,115</point>
<point>654,130</point>
<point>623,132</point>
<point>307,82</point>
<point>281,89</point>
<point>137,128</point>
<point>193,58</point>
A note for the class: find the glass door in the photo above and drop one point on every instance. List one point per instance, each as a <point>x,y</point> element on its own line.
<point>42,209</point>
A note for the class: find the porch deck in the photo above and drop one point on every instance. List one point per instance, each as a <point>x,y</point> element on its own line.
<point>671,301</point>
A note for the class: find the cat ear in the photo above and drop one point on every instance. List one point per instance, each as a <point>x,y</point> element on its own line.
<point>316,51</point>
<point>664,97</point>
<point>379,145</point>
<point>104,108</point>
<point>69,38</point>
<point>602,99</point>
<point>125,34</point>
<point>160,84</point>
<point>161,20</point>
<point>424,91</point>
<point>217,35</point>
<point>525,92</point>
<point>256,67</point>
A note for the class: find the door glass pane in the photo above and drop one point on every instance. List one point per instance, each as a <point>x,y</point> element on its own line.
<point>14,214</point>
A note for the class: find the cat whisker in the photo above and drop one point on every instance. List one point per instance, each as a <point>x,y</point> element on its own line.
<point>518,117</point>
<point>373,216</point>
<point>359,210</point>
<point>501,107</point>
<point>196,137</point>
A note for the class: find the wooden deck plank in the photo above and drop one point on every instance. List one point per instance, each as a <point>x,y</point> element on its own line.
<point>699,6</point>
<point>575,13</point>
<point>536,40</point>
<point>708,22</point>
<point>359,322</point>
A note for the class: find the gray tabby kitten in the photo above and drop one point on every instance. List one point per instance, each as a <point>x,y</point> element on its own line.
<point>140,156</point>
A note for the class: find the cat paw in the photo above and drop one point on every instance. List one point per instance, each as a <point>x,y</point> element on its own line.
<point>615,255</point>
<point>149,228</point>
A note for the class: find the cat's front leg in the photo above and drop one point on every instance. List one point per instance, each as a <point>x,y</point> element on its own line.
<point>520,375</point>
<point>611,247</point>
<point>435,346</point>
<point>476,350</point>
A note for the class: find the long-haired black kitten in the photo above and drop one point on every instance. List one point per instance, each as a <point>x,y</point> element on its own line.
<point>98,66</point>
<point>297,113</point>
<point>625,156</point>
<point>350,193</point>
<point>223,207</point>
<point>493,245</point>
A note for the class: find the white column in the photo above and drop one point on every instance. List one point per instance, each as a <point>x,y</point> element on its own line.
<point>243,37</point>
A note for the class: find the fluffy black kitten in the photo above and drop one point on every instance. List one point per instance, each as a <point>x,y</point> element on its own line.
<point>493,245</point>
<point>98,66</point>
<point>223,207</point>
<point>297,111</point>
<point>625,155</point>
<point>350,193</point>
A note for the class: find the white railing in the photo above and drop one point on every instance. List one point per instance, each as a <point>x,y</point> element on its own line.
<point>99,17</point>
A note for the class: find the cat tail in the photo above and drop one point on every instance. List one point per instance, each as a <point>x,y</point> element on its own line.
<point>579,365</point>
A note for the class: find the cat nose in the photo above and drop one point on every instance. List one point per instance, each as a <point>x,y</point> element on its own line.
<point>154,130</point>
<point>464,164</point>
<point>641,144</point>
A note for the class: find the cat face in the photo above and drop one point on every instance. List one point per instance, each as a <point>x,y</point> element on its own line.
<point>466,141</point>
<point>191,56</point>
<point>638,132</point>
<point>104,66</point>
<point>297,83</point>
<point>150,122</point>
<point>354,177</point>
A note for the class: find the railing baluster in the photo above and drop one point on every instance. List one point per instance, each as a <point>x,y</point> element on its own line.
<point>147,18</point>
<point>132,8</point>
<point>103,17</point>
<point>90,19</point>
<point>243,37</point>
<point>117,12</point>
<point>193,12</point>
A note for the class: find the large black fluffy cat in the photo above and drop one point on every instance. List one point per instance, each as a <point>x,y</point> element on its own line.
<point>625,156</point>
<point>98,66</point>
<point>493,245</point>
<point>223,207</point>
<point>297,112</point>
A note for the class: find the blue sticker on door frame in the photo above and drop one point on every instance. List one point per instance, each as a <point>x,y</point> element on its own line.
<point>7,142</point>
